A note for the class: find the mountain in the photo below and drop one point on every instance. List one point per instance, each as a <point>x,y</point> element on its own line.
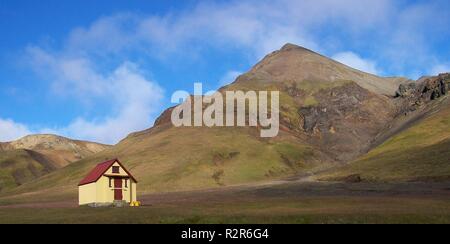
<point>297,64</point>
<point>33,156</point>
<point>330,115</point>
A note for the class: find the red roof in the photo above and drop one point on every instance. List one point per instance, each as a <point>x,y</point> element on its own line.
<point>99,170</point>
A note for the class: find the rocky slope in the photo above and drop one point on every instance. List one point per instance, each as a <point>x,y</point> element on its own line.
<point>331,107</point>
<point>415,146</point>
<point>36,155</point>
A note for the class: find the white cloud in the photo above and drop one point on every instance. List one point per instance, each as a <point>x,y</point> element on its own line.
<point>259,27</point>
<point>108,34</point>
<point>253,27</point>
<point>229,77</point>
<point>10,130</point>
<point>355,61</point>
<point>439,69</point>
<point>256,26</point>
<point>134,99</point>
<point>409,45</point>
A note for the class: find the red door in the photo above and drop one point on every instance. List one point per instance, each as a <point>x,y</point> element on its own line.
<point>118,189</point>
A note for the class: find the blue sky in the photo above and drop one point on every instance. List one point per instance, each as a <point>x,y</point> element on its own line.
<point>98,70</point>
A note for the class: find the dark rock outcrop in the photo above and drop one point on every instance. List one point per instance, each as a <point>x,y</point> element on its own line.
<point>426,89</point>
<point>406,90</point>
<point>356,178</point>
<point>347,113</point>
<point>415,94</point>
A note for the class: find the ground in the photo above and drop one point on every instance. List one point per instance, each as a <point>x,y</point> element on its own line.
<point>278,202</point>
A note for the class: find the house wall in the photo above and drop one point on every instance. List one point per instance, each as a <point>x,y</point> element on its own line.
<point>134,191</point>
<point>121,172</point>
<point>105,194</point>
<point>100,192</point>
<point>87,194</point>
<point>128,193</point>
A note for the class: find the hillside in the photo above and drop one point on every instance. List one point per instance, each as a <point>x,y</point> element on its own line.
<point>419,153</point>
<point>36,155</point>
<point>330,114</point>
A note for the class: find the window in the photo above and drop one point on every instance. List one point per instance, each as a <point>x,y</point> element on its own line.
<point>110,182</point>
<point>126,183</point>
<point>115,169</point>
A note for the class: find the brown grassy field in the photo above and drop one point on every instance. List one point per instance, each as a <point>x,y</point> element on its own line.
<point>282,203</point>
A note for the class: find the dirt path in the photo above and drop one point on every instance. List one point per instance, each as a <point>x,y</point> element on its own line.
<point>195,195</point>
<point>294,187</point>
<point>301,190</point>
<point>58,204</point>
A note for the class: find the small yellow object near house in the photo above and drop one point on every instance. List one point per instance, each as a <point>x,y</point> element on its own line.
<point>135,204</point>
<point>107,183</point>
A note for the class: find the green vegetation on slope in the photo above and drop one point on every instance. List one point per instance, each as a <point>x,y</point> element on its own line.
<point>32,156</point>
<point>20,166</point>
<point>177,159</point>
<point>421,152</point>
<point>180,159</point>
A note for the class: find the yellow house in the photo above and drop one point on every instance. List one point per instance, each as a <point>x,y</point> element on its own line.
<point>108,182</point>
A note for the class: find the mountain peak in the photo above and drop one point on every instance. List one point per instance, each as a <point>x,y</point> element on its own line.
<point>293,63</point>
<point>290,47</point>
<point>39,136</point>
<point>33,140</point>
<point>49,141</point>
